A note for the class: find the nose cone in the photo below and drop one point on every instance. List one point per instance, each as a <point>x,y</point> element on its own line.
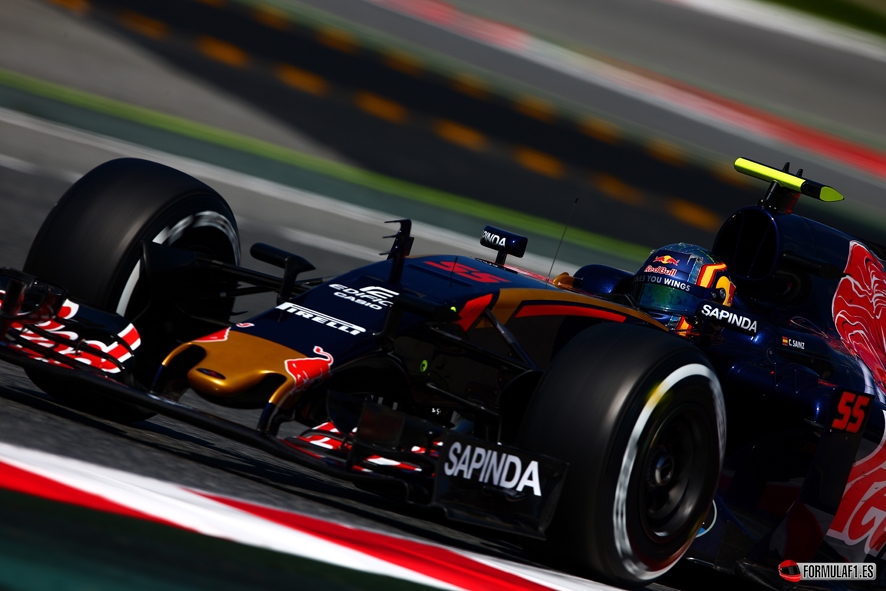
<point>239,369</point>
<point>238,363</point>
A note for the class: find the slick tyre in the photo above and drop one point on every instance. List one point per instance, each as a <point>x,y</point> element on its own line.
<point>639,416</point>
<point>91,244</point>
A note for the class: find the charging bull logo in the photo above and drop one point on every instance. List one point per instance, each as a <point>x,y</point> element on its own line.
<point>666,260</point>
<point>309,369</point>
<point>859,310</point>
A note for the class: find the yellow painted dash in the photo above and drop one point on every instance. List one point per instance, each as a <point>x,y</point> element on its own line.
<point>271,16</point>
<point>536,108</point>
<point>471,86</point>
<point>380,107</point>
<point>457,133</point>
<point>601,130</point>
<point>617,189</point>
<point>302,79</point>
<point>337,39</point>
<point>78,6</point>
<point>143,25</point>
<point>539,162</point>
<point>403,62</point>
<point>666,152</point>
<point>693,214</point>
<point>222,52</point>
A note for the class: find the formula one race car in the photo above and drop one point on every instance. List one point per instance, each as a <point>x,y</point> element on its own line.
<point>561,410</point>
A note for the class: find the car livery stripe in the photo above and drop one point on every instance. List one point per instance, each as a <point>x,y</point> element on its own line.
<point>566,310</point>
<point>105,489</point>
<point>510,300</point>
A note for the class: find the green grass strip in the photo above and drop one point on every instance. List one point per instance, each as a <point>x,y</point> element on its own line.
<point>357,176</point>
<point>842,11</point>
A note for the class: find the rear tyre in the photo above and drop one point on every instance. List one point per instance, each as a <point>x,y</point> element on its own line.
<point>639,416</point>
<point>91,244</point>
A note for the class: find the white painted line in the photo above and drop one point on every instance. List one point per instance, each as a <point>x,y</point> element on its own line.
<point>278,191</point>
<point>13,163</point>
<point>18,165</point>
<point>785,21</point>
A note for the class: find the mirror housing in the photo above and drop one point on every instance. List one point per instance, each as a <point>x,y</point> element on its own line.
<point>504,242</point>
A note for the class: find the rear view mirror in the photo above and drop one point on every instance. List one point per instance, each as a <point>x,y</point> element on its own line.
<point>504,242</point>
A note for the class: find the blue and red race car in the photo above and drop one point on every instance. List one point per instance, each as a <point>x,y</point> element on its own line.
<point>588,411</point>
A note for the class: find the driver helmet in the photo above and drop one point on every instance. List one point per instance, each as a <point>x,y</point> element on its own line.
<point>675,279</point>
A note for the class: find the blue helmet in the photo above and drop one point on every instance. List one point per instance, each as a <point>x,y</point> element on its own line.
<point>675,279</point>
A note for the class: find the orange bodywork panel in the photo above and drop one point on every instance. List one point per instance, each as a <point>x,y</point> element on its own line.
<point>236,363</point>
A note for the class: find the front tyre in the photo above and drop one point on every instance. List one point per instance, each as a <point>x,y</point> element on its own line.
<point>639,416</point>
<point>91,244</point>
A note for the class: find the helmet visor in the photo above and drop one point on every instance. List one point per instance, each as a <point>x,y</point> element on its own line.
<point>654,296</point>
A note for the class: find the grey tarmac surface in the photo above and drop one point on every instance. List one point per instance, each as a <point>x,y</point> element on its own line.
<point>838,90</point>
<point>334,235</point>
<point>801,79</point>
<point>58,46</point>
<point>62,47</point>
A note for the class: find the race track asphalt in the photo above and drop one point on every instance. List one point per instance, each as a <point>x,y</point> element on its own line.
<point>418,127</point>
<point>803,79</point>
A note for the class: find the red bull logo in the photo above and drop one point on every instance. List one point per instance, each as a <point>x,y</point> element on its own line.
<point>859,310</point>
<point>662,270</point>
<point>666,260</point>
<point>309,369</point>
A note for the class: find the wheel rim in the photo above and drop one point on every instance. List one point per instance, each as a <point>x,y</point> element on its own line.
<point>172,235</point>
<point>676,435</point>
<point>207,232</point>
<point>677,448</point>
